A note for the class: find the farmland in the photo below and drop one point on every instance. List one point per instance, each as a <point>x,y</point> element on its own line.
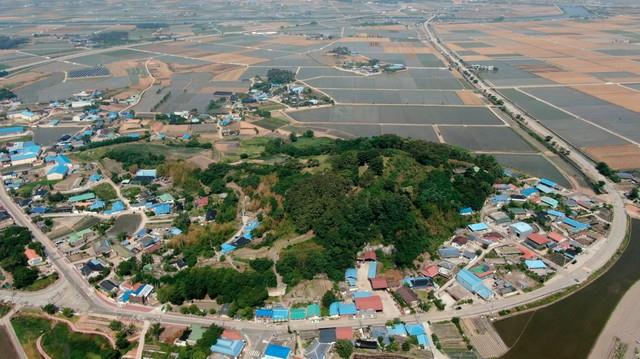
<point>579,78</point>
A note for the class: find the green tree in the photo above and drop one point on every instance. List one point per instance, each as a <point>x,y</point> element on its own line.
<point>50,309</point>
<point>344,348</point>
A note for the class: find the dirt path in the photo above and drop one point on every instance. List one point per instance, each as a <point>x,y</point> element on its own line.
<point>41,349</point>
<point>75,329</point>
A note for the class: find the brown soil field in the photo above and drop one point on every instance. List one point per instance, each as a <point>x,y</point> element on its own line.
<point>406,49</point>
<point>293,40</point>
<point>568,78</point>
<point>230,75</point>
<point>618,157</point>
<point>22,79</point>
<point>469,97</point>
<point>202,160</point>
<point>477,58</point>
<point>615,94</point>
<point>234,58</point>
<point>364,39</point>
<point>160,70</point>
<point>119,68</point>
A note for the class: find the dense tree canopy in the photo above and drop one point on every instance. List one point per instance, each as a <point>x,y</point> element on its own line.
<point>13,241</point>
<point>9,42</point>
<point>279,76</point>
<point>398,192</point>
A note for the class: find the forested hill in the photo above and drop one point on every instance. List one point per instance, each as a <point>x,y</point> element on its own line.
<point>390,190</point>
<point>399,192</point>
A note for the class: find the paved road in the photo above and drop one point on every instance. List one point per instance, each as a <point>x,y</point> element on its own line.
<point>597,257</point>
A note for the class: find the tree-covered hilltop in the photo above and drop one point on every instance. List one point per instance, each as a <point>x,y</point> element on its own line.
<point>398,192</point>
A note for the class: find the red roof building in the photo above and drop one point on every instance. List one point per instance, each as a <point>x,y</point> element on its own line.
<point>202,202</point>
<point>379,283</point>
<point>538,240</point>
<point>369,303</point>
<point>527,253</point>
<point>232,334</point>
<point>556,237</point>
<point>369,256</point>
<point>430,271</point>
<point>344,333</point>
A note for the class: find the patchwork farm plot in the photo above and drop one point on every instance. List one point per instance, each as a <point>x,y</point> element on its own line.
<point>579,78</point>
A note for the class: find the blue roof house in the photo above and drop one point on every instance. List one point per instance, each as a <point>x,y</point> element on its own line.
<point>276,352</point>
<point>280,314</point>
<point>548,183</point>
<point>528,192</point>
<point>264,313</point>
<point>478,227</point>
<point>351,276</point>
<point>415,329</point>
<point>535,264</point>
<point>372,271</point>
<point>347,309</point>
<point>231,348</point>
<point>552,202</point>
<point>467,211</point>
<point>473,284</point>
<point>397,330</point>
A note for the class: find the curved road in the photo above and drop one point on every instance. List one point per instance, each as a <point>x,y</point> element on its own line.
<point>594,260</point>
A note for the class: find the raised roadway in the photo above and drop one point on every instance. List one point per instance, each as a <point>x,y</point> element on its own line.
<point>75,286</point>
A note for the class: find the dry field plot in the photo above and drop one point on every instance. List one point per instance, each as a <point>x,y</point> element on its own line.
<point>618,157</point>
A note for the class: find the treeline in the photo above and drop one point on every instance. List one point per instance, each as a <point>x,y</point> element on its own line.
<point>115,141</point>
<point>139,156</point>
<point>13,241</point>
<point>110,37</point>
<point>6,94</point>
<point>151,25</point>
<point>10,42</point>
<point>242,290</point>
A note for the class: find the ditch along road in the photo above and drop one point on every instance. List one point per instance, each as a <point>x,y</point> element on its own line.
<point>573,275</point>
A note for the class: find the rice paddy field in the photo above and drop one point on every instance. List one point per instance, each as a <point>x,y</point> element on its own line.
<point>427,100</point>
<point>577,77</point>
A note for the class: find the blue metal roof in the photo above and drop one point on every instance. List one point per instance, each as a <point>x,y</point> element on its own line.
<point>522,227</point>
<point>423,340</point>
<point>97,204</point>
<point>466,211</point>
<point>23,156</point>
<point>472,283</point>
<point>548,182</point>
<point>334,310</point>
<point>397,330</point>
<point>415,329</point>
<point>577,226</point>
<point>147,173</point>
<point>10,130</point>
<point>361,294</point>
<point>550,201</point>
<point>58,169</point>
<point>535,264</point>
<point>264,313</point>
<point>231,348</point>
<point>347,309</point>
<point>277,351</point>
<point>372,270</point>
<point>555,213</point>
<point>161,208</point>
<point>280,313</point>
<point>227,248</point>
<point>528,191</point>
<point>476,227</point>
